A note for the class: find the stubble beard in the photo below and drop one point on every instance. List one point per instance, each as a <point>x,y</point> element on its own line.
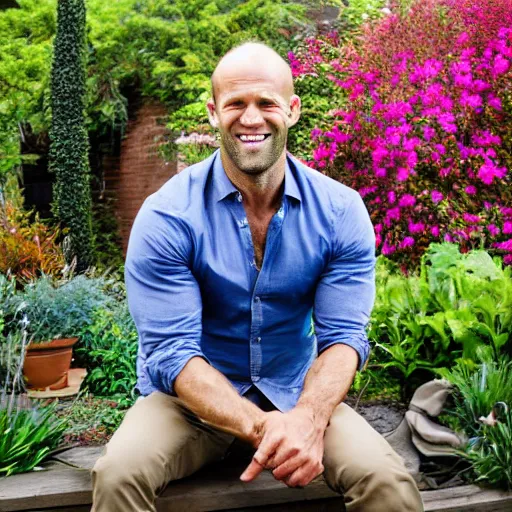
<point>257,162</point>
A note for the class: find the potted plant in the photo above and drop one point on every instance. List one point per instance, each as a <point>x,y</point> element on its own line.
<point>53,313</point>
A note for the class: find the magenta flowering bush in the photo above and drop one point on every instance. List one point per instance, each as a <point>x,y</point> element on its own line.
<point>425,130</point>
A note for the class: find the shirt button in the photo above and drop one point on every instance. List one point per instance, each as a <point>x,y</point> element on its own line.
<point>256,299</point>
<point>255,378</point>
<point>239,197</point>
<point>258,339</point>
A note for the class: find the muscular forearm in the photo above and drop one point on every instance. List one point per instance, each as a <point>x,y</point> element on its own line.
<point>328,382</point>
<point>207,393</point>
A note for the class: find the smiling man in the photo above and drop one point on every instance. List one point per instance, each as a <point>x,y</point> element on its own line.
<point>229,265</point>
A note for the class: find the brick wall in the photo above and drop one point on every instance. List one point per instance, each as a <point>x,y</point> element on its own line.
<point>138,171</point>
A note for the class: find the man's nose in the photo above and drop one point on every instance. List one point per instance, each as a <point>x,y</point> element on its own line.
<point>251,116</point>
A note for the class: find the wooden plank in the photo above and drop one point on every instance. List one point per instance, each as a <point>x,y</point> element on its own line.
<point>62,488</point>
<point>58,485</point>
<point>467,498</point>
<point>215,492</point>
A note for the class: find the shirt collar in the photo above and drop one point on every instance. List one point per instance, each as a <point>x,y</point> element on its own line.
<point>222,186</point>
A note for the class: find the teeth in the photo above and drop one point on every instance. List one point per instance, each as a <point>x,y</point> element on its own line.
<point>252,138</point>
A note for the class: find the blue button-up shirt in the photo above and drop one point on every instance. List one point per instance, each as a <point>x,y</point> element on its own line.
<point>194,288</point>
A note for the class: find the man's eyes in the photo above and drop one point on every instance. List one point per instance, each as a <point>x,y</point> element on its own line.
<point>262,104</point>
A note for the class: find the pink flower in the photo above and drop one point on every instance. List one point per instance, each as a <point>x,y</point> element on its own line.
<point>402,174</point>
<point>493,230</point>
<point>315,133</point>
<point>500,65</point>
<point>391,197</point>
<point>388,249</point>
<point>408,241</point>
<point>416,227</point>
<point>494,102</point>
<point>471,219</point>
<point>436,196</point>
<point>428,133</point>
<point>489,171</point>
<point>435,231</point>
<point>507,227</point>
<point>470,190</point>
<point>448,238</point>
<point>407,200</point>
<point>505,246</point>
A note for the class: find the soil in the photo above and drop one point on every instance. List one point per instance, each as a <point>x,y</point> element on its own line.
<point>383,415</point>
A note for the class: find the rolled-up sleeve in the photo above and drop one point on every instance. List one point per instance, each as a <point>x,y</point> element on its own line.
<point>163,295</point>
<point>346,291</point>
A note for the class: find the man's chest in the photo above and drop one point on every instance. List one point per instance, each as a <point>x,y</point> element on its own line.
<point>281,258</point>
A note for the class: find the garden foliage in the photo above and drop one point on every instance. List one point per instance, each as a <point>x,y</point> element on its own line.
<point>458,305</point>
<point>29,247</point>
<point>69,148</point>
<point>49,309</point>
<point>27,435</point>
<point>108,346</point>
<point>424,128</point>
<point>483,392</point>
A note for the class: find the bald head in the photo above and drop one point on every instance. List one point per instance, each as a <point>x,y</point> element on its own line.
<point>256,57</point>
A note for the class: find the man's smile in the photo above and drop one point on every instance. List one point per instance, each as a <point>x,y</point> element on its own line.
<point>253,139</point>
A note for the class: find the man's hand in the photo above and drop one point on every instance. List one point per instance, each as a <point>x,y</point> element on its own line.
<point>292,445</point>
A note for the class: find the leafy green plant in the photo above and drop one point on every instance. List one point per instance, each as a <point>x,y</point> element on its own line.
<point>491,460</point>
<point>27,435</point>
<point>108,347</point>
<point>57,309</point>
<point>477,388</point>
<point>28,431</point>
<point>482,396</point>
<point>457,305</point>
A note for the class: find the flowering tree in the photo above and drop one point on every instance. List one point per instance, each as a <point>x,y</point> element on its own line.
<point>424,133</point>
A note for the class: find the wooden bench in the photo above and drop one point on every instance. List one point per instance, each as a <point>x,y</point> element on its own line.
<point>66,487</point>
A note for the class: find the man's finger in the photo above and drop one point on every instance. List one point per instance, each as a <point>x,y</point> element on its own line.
<point>251,471</point>
<point>288,467</point>
<point>266,449</point>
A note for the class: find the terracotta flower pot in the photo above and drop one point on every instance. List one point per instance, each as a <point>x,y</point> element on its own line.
<point>46,364</point>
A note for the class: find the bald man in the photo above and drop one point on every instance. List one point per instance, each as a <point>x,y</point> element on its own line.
<point>250,278</point>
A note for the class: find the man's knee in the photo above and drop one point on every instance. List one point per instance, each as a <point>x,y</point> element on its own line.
<point>373,485</point>
<point>128,471</point>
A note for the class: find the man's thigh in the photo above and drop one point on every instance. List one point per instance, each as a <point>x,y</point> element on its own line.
<point>161,440</point>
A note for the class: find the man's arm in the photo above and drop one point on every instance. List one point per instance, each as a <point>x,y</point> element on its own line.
<point>207,393</point>
<point>165,302</point>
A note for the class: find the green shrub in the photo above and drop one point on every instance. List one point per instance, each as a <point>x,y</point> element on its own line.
<point>108,348</point>
<point>53,309</point>
<point>459,304</point>
<point>69,148</point>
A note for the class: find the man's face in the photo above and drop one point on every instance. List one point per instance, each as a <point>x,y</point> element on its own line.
<point>253,110</point>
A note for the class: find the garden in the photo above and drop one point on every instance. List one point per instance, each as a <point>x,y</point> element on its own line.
<point>408,102</point>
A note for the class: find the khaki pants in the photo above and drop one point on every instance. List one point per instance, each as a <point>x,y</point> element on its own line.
<point>160,440</point>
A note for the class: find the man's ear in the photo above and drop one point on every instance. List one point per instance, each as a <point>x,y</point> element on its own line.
<point>212,114</point>
<point>294,114</point>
